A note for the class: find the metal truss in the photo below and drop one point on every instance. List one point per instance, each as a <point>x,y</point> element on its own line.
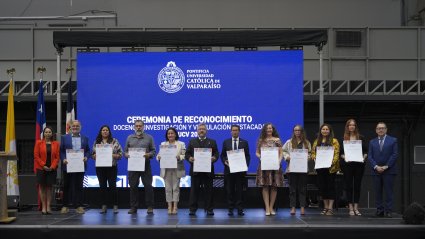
<point>311,88</point>
<point>366,87</point>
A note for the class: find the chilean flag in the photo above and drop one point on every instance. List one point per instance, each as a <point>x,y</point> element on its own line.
<point>40,124</point>
<point>41,114</point>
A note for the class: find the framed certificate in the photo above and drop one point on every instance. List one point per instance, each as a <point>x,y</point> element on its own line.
<point>103,155</point>
<point>136,161</point>
<point>353,151</point>
<point>237,161</point>
<point>202,161</point>
<point>75,161</point>
<point>168,155</point>
<point>270,158</point>
<point>324,156</point>
<point>298,162</point>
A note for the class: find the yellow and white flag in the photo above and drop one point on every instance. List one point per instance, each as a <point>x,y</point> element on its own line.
<point>12,165</point>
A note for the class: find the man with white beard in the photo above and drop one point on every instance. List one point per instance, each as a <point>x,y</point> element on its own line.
<point>140,140</point>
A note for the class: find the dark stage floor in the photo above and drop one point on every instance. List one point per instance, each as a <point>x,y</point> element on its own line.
<point>254,224</point>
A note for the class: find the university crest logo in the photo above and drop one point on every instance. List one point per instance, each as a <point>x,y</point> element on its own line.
<point>171,78</point>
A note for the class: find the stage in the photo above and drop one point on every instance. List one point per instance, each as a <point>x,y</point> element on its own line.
<point>31,224</point>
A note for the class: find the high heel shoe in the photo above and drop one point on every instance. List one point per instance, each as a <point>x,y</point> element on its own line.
<point>302,211</point>
<point>273,212</point>
<point>174,211</point>
<point>103,209</point>
<point>292,211</point>
<point>169,211</point>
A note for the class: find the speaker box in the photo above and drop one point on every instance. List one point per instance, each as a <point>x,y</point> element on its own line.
<point>414,214</point>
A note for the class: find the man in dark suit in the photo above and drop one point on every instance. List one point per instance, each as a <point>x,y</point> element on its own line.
<point>199,179</point>
<point>383,153</point>
<point>234,181</point>
<point>73,182</point>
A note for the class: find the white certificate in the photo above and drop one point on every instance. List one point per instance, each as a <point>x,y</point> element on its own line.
<point>75,161</point>
<point>298,162</point>
<point>202,161</point>
<point>136,160</point>
<point>237,160</point>
<point>269,158</point>
<point>103,155</point>
<point>324,156</point>
<point>168,155</point>
<point>353,151</point>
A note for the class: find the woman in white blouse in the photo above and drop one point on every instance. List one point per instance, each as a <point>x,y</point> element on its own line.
<point>172,175</point>
<point>297,180</point>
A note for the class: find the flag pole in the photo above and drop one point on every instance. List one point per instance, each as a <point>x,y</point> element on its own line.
<point>69,71</point>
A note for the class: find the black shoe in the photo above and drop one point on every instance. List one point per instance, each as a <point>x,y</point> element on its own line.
<point>192,213</point>
<point>241,212</point>
<point>389,215</point>
<point>230,212</point>
<point>150,211</point>
<point>133,210</point>
<point>379,214</point>
<point>210,212</point>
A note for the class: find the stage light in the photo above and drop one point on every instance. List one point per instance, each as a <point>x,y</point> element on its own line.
<point>88,50</point>
<point>188,49</point>
<point>133,49</point>
<point>250,48</point>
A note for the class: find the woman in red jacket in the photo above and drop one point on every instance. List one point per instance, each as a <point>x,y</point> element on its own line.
<point>46,159</point>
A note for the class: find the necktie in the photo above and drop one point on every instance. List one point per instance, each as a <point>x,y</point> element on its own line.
<point>381,143</point>
<point>235,147</point>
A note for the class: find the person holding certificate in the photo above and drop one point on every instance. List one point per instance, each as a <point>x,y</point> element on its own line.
<point>296,152</point>
<point>140,141</point>
<point>201,151</point>
<point>77,146</point>
<point>269,151</point>
<point>172,175</point>
<point>46,159</point>
<point>108,174</point>
<point>353,164</point>
<point>326,148</point>
<point>235,176</point>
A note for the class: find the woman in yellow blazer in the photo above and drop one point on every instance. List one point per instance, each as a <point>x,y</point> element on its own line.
<point>46,159</point>
<point>326,176</point>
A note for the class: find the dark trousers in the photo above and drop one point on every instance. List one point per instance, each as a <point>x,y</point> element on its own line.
<point>353,174</point>
<point>234,189</point>
<point>107,176</point>
<point>206,181</point>
<point>326,183</point>
<point>384,182</point>
<point>73,189</point>
<point>297,183</point>
<point>133,178</point>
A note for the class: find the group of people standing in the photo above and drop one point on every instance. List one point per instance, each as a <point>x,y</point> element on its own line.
<point>381,153</point>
